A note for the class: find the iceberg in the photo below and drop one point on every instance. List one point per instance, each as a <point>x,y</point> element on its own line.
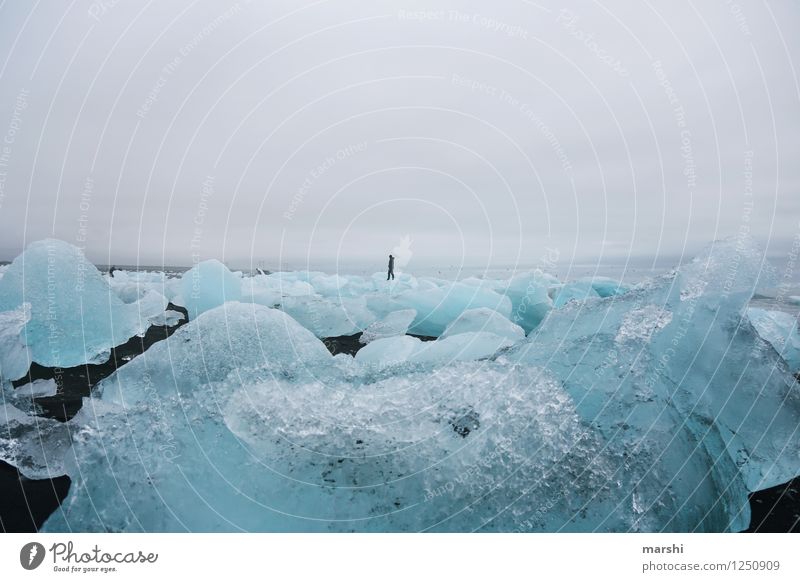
<point>483,319</point>
<point>389,351</point>
<point>437,307</point>
<point>75,317</point>
<point>328,285</point>
<point>530,301</point>
<point>672,376</point>
<point>471,345</point>
<point>151,308</point>
<point>289,286</point>
<point>467,346</point>
<point>168,318</point>
<point>281,453</point>
<point>131,286</point>
<point>395,323</point>
<point>207,285</point>
<point>329,306</point>
<point>257,290</point>
<point>234,337</point>
<point>270,289</point>
<point>329,318</point>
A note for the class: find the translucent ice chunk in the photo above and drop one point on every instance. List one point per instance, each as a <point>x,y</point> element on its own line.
<point>258,290</point>
<point>38,388</point>
<point>270,290</point>
<point>328,285</point>
<point>75,317</point>
<point>388,351</point>
<point>329,317</point>
<point>287,286</point>
<point>207,285</point>
<point>472,345</point>
<point>575,291</point>
<point>485,320</point>
<point>36,446</point>
<point>395,323</point>
<point>232,337</point>
<point>673,358</point>
<point>168,318</point>
<point>389,454</point>
<point>151,306</point>
<point>437,307</point>
<point>461,347</point>
<point>131,286</point>
<point>530,301</point>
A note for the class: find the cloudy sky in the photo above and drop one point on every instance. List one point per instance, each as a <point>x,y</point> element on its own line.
<point>327,132</point>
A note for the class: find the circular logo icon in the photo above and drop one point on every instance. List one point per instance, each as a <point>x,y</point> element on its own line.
<point>31,555</point>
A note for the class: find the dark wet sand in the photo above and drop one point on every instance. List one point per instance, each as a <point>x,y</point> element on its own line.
<point>350,344</point>
<point>776,510</point>
<point>25,504</point>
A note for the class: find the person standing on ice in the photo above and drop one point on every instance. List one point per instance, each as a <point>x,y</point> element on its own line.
<point>390,275</point>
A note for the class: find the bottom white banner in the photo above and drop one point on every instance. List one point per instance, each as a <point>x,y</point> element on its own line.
<point>382,557</point>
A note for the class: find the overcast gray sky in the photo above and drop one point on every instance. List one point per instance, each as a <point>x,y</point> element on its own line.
<point>486,133</point>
